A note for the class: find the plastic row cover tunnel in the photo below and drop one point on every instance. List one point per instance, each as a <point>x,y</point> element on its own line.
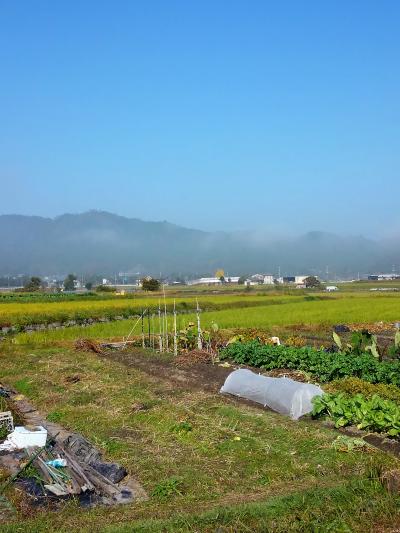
<point>283,395</point>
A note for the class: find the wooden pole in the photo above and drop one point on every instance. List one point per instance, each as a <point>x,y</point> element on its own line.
<point>175,336</point>
<point>199,342</point>
<point>148,326</point>
<point>159,323</point>
<point>152,331</point>
<point>166,322</point>
<point>143,343</point>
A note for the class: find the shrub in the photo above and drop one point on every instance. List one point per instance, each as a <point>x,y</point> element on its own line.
<point>105,288</point>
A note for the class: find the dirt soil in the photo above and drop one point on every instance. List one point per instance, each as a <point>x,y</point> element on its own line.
<point>202,376</point>
<point>189,371</point>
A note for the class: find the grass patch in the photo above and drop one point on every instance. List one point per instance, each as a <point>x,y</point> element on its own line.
<point>230,455</point>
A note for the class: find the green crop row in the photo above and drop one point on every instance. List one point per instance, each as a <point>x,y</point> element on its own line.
<point>352,386</point>
<point>322,365</point>
<point>374,414</point>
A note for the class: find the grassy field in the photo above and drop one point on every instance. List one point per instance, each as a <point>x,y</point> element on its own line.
<point>284,311</point>
<point>237,469</point>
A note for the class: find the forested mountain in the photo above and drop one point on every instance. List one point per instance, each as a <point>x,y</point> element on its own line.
<point>100,242</point>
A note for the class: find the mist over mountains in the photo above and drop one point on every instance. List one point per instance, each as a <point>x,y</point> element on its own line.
<point>100,242</point>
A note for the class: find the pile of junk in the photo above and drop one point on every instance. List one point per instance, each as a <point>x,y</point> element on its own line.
<point>49,463</point>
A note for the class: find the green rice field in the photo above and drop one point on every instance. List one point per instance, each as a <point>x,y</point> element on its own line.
<point>271,312</point>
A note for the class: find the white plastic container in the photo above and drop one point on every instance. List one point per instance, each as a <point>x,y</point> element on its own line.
<point>24,438</point>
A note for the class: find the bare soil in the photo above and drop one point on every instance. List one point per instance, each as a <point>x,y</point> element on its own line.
<point>200,376</point>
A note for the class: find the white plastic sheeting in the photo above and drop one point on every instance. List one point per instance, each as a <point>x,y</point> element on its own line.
<point>283,395</point>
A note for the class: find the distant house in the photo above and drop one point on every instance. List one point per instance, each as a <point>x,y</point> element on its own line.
<point>299,281</point>
<point>205,281</point>
<point>260,279</point>
<point>383,277</point>
<point>213,280</point>
<point>288,279</point>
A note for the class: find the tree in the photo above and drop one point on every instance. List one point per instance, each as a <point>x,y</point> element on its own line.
<point>150,284</point>
<point>105,288</point>
<point>69,284</point>
<point>89,285</point>
<point>241,280</point>
<point>312,282</point>
<point>33,284</point>
<point>222,279</point>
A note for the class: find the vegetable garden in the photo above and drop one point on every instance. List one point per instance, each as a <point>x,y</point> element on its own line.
<point>191,447</point>
<point>370,413</point>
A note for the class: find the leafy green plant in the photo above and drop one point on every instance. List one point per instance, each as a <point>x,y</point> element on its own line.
<point>394,350</point>
<point>360,342</point>
<point>187,337</point>
<point>182,427</point>
<point>374,414</point>
<point>167,488</point>
<point>344,443</point>
<point>354,385</point>
<point>32,472</point>
<point>322,365</point>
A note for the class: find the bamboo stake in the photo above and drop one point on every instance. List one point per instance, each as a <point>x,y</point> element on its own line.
<point>131,331</point>
<point>143,344</point>
<point>175,337</point>
<point>166,322</point>
<point>152,331</point>
<point>148,327</point>
<point>199,342</point>
<point>159,322</point>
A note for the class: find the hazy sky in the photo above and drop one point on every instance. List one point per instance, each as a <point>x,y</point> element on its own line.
<point>282,116</point>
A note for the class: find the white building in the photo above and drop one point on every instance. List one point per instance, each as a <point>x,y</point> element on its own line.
<point>260,279</point>
<point>205,281</point>
<point>299,280</point>
<point>213,280</point>
<point>268,279</point>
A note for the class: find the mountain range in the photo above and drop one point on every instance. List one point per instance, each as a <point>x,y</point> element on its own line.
<point>97,242</point>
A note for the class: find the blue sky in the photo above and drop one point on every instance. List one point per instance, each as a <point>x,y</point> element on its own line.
<point>280,116</point>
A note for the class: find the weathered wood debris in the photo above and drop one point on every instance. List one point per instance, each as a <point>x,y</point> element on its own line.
<point>84,475</point>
